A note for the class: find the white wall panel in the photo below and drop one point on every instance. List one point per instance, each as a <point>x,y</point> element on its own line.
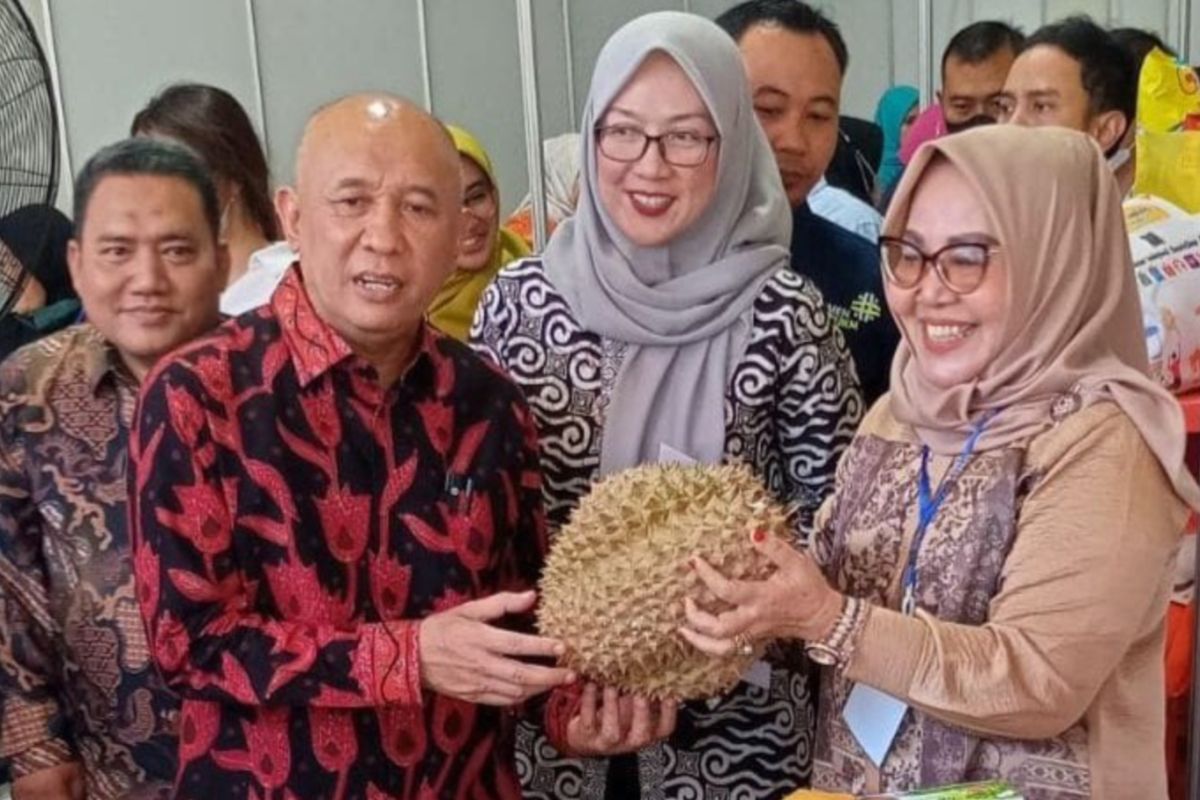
<point>314,51</point>
<point>710,8</point>
<point>550,34</point>
<point>593,21</point>
<point>113,56</point>
<point>476,78</point>
<point>867,27</point>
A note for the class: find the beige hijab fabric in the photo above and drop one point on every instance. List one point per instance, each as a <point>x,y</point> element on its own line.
<point>1074,321</point>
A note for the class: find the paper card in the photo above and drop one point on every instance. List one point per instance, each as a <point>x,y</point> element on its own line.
<point>669,455</point>
<point>874,719</point>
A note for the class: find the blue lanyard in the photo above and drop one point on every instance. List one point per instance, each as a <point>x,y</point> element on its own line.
<point>928,504</point>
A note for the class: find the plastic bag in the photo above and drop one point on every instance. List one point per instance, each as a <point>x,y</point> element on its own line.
<point>1168,132</point>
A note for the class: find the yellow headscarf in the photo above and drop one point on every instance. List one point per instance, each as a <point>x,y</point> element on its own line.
<point>454,306</point>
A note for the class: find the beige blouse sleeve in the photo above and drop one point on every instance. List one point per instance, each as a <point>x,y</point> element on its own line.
<point>1087,576</point>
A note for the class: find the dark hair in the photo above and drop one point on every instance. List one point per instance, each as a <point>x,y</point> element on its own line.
<point>1108,71</point>
<point>793,15</point>
<point>141,155</point>
<point>211,122</point>
<point>1138,43</point>
<point>979,41</point>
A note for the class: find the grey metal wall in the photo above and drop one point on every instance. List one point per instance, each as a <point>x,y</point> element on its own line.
<point>282,58</point>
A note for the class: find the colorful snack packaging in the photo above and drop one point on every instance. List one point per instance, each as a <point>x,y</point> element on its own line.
<point>1165,243</point>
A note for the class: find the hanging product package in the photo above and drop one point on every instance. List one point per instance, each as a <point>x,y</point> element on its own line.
<point>1165,243</point>
<point>1168,132</point>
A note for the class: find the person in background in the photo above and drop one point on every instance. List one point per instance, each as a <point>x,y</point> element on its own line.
<point>663,319</point>
<point>334,506</point>
<point>975,65</point>
<point>483,246</point>
<point>795,58</point>
<point>1073,74</point>
<point>992,573</point>
<point>560,164</point>
<point>212,122</point>
<point>895,114</point>
<point>859,148</point>
<point>1137,43</point>
<point>83,712</point>
<point>35,239</point>
<point>845,210</point>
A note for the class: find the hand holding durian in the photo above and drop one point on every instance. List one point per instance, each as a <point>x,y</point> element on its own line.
<point>609,723</point>
<point>463,654</point>
<point>795,602</point>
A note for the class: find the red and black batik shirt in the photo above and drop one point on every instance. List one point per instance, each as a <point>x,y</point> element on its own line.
<point>293,522</point>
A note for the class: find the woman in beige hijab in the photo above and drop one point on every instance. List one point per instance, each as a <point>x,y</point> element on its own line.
<point>986,589</point>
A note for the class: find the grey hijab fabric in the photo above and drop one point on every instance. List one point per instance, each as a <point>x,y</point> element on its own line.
<point>684,309</point>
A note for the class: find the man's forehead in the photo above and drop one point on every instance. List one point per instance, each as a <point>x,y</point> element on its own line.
<point>143,203</point>
<point>378,159</point>
<point>375,147</point>
<point>1046,68</point>
<point>803,74</point>
<point>784,47</point>
<point>988,74</point>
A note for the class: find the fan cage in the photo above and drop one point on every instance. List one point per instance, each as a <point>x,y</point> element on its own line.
<point>29,145</point>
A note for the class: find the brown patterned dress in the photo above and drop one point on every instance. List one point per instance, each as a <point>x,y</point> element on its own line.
<point>1036,652</point>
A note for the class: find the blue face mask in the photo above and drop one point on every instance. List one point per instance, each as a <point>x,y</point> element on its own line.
<point>1120,158</point>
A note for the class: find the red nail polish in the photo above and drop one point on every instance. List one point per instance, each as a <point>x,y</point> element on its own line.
<point>759,536</point>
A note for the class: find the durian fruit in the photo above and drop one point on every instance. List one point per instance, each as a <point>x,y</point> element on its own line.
<point>618,572</point>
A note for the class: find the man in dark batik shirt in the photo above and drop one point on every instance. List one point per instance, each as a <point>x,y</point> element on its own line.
<point>334,505</point>
<point>82,709</point>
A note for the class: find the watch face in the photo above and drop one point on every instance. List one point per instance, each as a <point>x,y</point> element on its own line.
<point>820,654</point>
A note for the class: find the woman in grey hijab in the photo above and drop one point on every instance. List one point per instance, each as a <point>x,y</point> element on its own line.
<point>662,323</point>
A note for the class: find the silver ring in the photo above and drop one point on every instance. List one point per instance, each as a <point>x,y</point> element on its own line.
<point>743,645</point>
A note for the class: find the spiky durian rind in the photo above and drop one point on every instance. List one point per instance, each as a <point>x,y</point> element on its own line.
<point>618,572</point>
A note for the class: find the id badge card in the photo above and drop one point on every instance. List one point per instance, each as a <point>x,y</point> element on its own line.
<point>874,718</point>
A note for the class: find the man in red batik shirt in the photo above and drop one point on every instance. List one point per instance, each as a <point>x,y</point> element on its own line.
<point>334,505</point>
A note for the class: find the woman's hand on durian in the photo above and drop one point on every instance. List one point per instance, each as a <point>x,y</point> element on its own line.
<point>796,602</point>
<point>609,723</point>
<point>464,656</point>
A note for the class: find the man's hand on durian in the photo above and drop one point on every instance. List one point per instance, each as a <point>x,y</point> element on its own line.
<point>796,602</point>
<point>463,656</point>
<point>609,723</point>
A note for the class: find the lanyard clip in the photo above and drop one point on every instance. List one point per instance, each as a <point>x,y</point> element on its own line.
<point>908,602</point>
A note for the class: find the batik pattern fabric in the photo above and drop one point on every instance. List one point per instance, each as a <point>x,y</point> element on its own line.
<point>294,522</point>
<point>791,408</point>
<point>1035,652</point>
<point>76,679</point>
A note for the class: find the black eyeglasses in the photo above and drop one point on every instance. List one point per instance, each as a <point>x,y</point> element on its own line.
<point>679,148</point>
<point>960,267</point>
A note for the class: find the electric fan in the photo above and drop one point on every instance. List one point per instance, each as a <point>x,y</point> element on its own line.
<point>28,139</point>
